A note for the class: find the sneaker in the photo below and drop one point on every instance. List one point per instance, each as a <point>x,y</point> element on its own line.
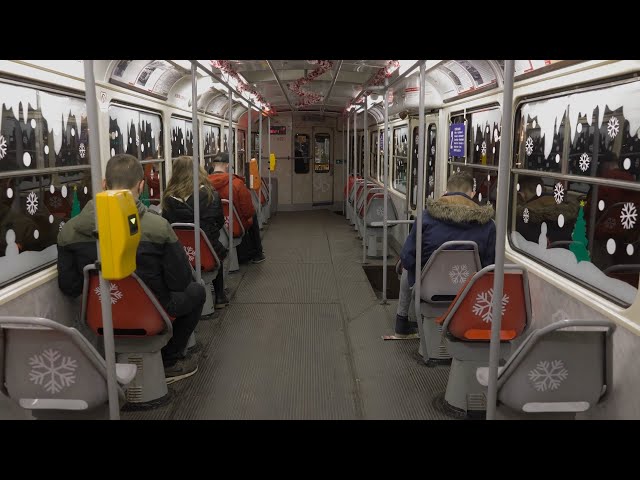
<point>221,302</point>
<point>183,368</point>
<point>259,258</point>
<point>404,327</point>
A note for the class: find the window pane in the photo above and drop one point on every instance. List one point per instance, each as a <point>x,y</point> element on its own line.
<point>400,151</point>
<point>485,183</point>
<point>414,166</point>
<point>242,147</point>
<point>123,130</point>
<point>301,153</point>
<point>484,136</point>
<point>374,154</point>
<point>322,154</point>
<point>32,211</point>
<point>150,136</point>
<point>154,182</point>
<point>431,161</point>
<point>181,137</point>
<point>211,144</point>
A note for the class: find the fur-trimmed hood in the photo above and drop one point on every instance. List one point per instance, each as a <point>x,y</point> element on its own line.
<point>460,209</point>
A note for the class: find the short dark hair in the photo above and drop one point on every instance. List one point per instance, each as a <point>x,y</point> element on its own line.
<point>460,182</point>
<point>222,157</point>
<point>123,171</point>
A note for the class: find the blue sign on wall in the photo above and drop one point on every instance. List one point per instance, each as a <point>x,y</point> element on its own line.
<point>456,140</point>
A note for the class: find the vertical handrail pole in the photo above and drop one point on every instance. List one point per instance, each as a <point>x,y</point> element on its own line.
<point>260,163</point>
<point>501,233</point>
<point>385,230</point>
<point>248,152</point>
<point>346,199</point>
<point>420,207</point>
<point>231,165</point>
<point>96,186</point>
<point>196,164</point>
<point>269,150</point>
<point>366,167</point>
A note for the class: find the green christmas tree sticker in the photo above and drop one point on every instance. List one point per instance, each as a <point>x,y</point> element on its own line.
<point>579,237</point>
<point>144,196</point>
<point>75,204</point>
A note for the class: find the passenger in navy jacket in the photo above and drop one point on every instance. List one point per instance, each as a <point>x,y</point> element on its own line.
<point>454,216</point>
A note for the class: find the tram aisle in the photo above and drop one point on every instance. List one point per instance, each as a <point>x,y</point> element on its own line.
<point>302,339</point>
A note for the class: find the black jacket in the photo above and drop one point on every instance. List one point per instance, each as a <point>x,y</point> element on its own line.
<point>211,217</point>
<point>161,262</point>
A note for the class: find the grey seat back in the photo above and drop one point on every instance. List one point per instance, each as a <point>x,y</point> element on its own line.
<point>447,271</point>
<point>375,209</point>
<point>564,367</point>
<point>48,366</point>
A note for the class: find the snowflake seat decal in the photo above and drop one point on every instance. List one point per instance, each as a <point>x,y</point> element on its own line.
<point>482,307</point>
<point>191,253</point>
<point>380,212</point>
<point>459,274</point>
<point>628,215</point>
<point>584,162</point>
<point>51,371</point>
<point>115,294</point>
<point>548,375</point>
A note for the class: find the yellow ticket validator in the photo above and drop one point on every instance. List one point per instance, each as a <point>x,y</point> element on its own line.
<point>118,232</point>
<point>272,162</point>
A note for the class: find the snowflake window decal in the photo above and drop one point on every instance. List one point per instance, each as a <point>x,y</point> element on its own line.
<point>3,147</point>
<point>459,274</point>
<point>613,127</point>
<point>52,370</point>
<point>60,226</point>
<point>431,180</point>
<point>191,253</point>
<point>525,215</point>
<point>548,375</point>
<point>82,150</point>
<point>528,146</point>
<point>628,215</point>
<point>610,223</point>
<point>32,203</point>
<point>584,162</point>
<point>558,192</point>
<point>483,148</point>
<point>55,202</point>
<point>433,150</point>
<point>482,307</point>
<point>114,293</point>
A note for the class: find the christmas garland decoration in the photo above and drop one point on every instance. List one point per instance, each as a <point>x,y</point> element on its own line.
<point>226,67</point>
<point>377,79</point>
<point>307,97</point>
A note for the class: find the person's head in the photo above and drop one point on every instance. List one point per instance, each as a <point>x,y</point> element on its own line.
<point>124,172</point>
<point>607,161</point>
<point>181,182</point>
<point>529,187</point>
<point>461,182</point>
<point>221,162</point>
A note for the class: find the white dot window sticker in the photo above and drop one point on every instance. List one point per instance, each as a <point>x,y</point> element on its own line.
<point>129,139</point>
<point>64,191</point>
<point>557,158</point>
<point>601,205</point>
<point>611,246</point>
<point>533,124</point>
<point>36,234</point>
<point>630,249</point>
<point>113,152</point>
<point>479,197</point>
<point>116,134</point>
<point>46,149</point>
<point>561,220</point>
<point>152,134</point>
<point>494,149</point>
<point>539,190</point>
<point>579,128</point>
<point>476,148</point>
<point>151,192</point>
<point>73,132</point>
<point>9,193</point>
<point>142,147</point>
<point>148,144</point>
<point>86,190</point>
<point>33,123</point>
<point>26,159</point>
<point>182,141</point>
<point>52,189</point>
<point>627,163</point>
<point>50,218</point>
<point>488,178</point>
<point>518,186</point>
<point>487,130</point>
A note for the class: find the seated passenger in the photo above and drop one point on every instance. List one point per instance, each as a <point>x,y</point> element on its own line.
<point>161,263</point>
<point>454,216</point>
<point>252,244</point>
<point>177,206</point>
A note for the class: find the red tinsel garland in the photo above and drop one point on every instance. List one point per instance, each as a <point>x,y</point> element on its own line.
<point>377,79</point>
<point>307,97</point>
<point>227,68</point>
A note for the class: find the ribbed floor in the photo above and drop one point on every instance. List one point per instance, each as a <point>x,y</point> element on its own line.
<point>302,339</point>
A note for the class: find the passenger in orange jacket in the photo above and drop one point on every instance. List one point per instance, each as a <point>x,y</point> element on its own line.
<point>251,245</point>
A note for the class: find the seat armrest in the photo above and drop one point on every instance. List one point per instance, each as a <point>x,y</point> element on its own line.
<point>482,375</point>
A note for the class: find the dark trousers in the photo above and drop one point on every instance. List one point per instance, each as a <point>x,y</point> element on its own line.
<point>186,307</point>
<point>218,284</point>
<point>251,244</point>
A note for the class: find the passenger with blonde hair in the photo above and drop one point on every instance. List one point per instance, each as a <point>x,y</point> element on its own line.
<point>178,207</point>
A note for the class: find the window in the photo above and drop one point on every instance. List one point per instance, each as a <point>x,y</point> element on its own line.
<point>381,154</point>
<point>399,161</point>
<point>44,175</point>
<point>373,146</point>
<point>242,147</point>
<point>430,166</point>
<point>565,214</point>
<point>255,146</point>
<point>301,153</point>
<point>322,153</point>
<point>140,133</point>
<point>211,144</point>
<point>482,151</point>
<point>181,137</point>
